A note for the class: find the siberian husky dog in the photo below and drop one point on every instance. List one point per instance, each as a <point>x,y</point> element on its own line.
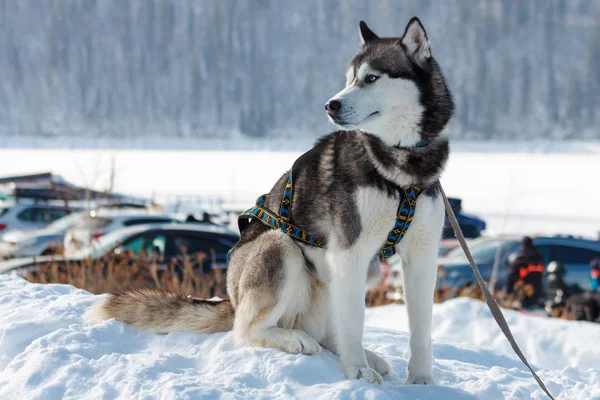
<point>300,298</point>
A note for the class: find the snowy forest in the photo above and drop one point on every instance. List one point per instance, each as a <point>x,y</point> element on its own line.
<point>225,68</point>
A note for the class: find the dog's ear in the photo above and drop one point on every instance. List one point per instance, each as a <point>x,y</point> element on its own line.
<point>415,42</point>
<point>366,34</point>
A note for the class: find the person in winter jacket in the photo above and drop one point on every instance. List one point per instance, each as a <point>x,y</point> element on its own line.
<point>557,289</point>
<point>526,273</point>
<point>595,274</point>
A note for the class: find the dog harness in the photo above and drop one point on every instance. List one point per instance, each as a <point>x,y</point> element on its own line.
<point>404,216</point>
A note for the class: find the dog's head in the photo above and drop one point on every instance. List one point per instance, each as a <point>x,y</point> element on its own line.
<point>394,89</point>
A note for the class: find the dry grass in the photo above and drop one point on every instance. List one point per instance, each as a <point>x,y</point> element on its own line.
<point>184,275</point>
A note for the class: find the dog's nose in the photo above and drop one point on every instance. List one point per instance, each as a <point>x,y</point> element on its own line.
<point>333,106</point>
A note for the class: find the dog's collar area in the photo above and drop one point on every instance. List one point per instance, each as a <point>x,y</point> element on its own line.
<point>419,144</point>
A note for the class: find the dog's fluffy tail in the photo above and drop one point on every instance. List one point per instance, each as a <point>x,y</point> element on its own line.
<point>162,311</point>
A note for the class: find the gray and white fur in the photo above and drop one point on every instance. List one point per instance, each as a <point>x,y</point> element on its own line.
<point>298,298</point>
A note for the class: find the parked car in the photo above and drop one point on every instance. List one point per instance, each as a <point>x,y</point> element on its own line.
<point>169,240</point>
<point>38,242</point>
<point>100,222</point>
<point>471,225</point>
<point>26,217</point>
<point>574,254</point>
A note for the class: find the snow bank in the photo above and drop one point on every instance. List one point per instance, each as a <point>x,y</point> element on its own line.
<point>48,351</point>
<point>548,343</point>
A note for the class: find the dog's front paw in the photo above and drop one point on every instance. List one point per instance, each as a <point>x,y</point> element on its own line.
<point>419,369</point>
<point>302,343</point>
<point>367,373</point>
<point>419,380</point>
<point>377,363</point>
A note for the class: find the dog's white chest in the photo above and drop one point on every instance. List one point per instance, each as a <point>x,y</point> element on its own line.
<point>377,214</point>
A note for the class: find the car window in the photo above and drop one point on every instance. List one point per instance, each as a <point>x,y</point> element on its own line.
<point>142,221</point>
<point>47,215</point>
<point>572,254</point>
<point>42,214</point>
<point>57,213</point>
<point>136,245</point>
<point>488,254</point>
<point>107,242</point>
<point>473,245</point>
<point>34,214</point>
<point>3,211</point>
<point>147,242</point>
<point>27,215</point>
<point>483,249</point>
<point>191,244</point>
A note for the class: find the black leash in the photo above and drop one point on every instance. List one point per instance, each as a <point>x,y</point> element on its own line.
<point>489,298</point>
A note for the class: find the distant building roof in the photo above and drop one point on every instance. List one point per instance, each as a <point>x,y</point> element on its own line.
<point>48,186</point>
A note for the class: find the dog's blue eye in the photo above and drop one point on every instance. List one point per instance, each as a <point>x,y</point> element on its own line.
<point>371,78</point>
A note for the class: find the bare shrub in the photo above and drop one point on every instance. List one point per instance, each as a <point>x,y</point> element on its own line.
<point>185,274</point>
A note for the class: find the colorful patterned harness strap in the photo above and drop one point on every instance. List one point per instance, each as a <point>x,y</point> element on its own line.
<point>404,216</point>
<point>281,221</point>
<point>406,211</point>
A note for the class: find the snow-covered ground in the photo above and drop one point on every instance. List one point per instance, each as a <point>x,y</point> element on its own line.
<point>536,187</point>
<point>49,351</point>
<point>548,343</point>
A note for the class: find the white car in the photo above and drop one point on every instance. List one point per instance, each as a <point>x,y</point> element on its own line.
<point>38,242</point>
<point>98,223</point>
<point>26,217</point>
